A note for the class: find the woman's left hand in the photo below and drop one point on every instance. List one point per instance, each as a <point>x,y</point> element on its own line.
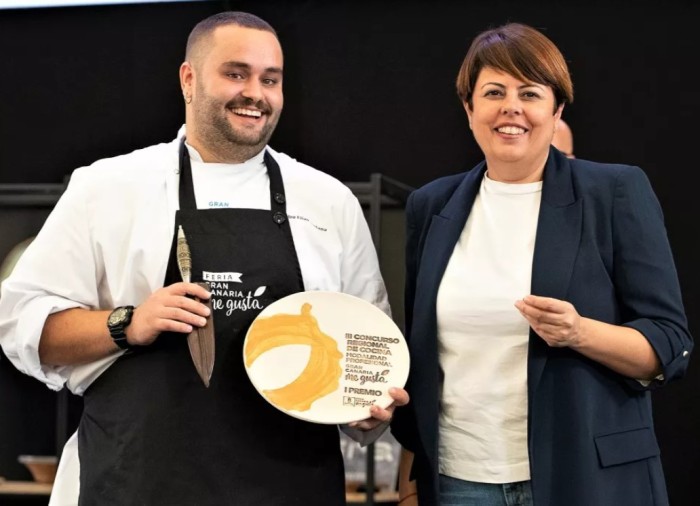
<point>556,321</point>
<point>380,415</point>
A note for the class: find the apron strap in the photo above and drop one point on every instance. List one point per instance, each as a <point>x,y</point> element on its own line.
<point>186,187</point>
<point>278,206</point>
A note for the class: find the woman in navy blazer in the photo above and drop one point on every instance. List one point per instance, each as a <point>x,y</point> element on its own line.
<point>542,306</point>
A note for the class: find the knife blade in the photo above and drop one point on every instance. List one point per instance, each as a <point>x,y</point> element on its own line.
<point>201,343</point>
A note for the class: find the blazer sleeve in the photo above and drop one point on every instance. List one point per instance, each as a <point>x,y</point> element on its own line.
<point>645,276</point>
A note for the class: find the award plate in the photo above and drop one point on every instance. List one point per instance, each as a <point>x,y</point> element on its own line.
<point>325,357</point>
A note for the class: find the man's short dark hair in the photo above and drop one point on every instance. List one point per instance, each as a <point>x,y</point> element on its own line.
<point>207,26</point>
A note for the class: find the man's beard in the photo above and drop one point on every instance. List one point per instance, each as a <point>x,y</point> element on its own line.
<point>227,143</point>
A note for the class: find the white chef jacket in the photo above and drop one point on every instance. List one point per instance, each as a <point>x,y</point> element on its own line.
<point>107,242</point>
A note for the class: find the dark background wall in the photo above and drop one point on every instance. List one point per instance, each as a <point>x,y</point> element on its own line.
<point>368,88</point>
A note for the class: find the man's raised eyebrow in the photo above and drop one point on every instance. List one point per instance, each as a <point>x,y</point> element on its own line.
<point>246,66</point>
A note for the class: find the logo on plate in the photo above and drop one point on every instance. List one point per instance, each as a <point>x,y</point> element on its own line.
<point>322,373</point>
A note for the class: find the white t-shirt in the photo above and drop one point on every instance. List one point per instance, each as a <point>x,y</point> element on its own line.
<point>224,185</point>
<point>483,339</point>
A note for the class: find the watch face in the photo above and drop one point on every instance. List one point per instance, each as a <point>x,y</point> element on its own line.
<point>117,316</point>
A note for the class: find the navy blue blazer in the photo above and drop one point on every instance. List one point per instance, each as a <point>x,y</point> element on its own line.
<point>601,244</point>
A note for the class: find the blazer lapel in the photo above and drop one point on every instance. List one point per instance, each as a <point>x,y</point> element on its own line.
<point>556,245</point>
<point>443,234</point>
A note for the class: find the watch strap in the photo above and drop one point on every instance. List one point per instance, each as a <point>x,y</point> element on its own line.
<point>118,329</point>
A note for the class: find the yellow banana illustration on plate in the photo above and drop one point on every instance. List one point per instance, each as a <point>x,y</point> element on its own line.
<point>322,372</point>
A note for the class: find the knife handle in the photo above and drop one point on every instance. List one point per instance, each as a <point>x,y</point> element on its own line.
<point>207,303</point>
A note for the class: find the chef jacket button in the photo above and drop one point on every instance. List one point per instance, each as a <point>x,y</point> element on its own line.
<point>685,353</point>
<point>279,218</point>
<point>279,198</point>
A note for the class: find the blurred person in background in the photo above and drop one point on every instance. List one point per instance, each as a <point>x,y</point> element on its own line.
<point>563,139</point>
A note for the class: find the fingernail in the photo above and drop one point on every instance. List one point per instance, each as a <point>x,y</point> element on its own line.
<point>202,322</point>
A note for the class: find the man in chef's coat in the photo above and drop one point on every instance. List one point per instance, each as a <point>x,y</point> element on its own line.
<point>97,303</point>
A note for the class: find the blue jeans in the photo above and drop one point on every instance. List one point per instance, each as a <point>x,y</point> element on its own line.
<point>455,492</point>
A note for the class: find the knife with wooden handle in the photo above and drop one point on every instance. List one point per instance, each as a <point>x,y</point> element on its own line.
<point>201,340</point>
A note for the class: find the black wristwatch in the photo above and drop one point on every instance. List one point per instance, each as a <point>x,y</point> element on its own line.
<point>117,322</point>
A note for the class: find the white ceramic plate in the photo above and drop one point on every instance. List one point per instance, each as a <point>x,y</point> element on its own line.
<point>325,357</point>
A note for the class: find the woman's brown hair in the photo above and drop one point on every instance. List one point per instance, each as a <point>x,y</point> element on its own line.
<point>522,52</point>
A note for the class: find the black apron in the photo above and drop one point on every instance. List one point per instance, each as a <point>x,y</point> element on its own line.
<point>152,434</point>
